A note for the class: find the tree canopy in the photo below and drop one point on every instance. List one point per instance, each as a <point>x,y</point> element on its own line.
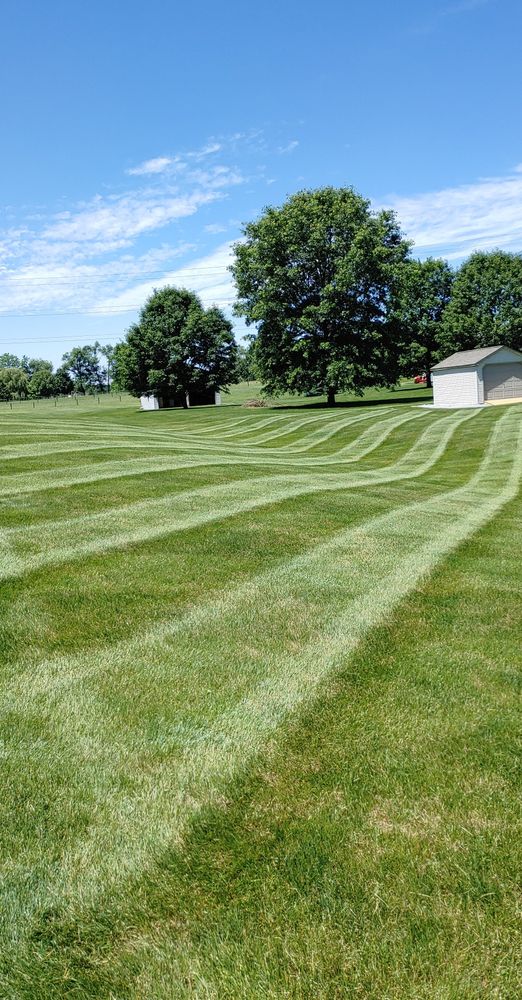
<point>13,383</point>
<point>246,370</point>
<point>175,347</point>
<point>424,293</point>
<point>83,366</point>
<point>42,383</point>
<point>32,377</point>
<point>319,276</point>
<point>9,361</point>
<point>486,303</point>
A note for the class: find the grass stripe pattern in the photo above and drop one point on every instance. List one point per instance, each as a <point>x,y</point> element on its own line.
<point>177,590</point>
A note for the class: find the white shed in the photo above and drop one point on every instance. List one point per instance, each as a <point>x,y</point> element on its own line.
<point>472,378</point>
<point>149,401</point>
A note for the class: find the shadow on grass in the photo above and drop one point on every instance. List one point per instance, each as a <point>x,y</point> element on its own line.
<point>405,396</point>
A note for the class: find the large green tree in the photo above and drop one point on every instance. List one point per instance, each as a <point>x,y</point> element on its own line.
<point>424,294</point>
<point>83,366</point>
<point>318,277</point>
<point>486,303</point>
<point>175,347</point>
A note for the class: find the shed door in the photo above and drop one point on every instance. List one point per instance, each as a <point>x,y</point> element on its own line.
<point>503,381</point>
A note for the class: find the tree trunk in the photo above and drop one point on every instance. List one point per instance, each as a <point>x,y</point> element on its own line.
<point>330,396</point>
<point>429,362</point>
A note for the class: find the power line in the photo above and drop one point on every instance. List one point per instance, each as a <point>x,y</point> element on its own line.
<point>49,279</point>
<point>39,340</point>
<point>98,312</point>
<point>61,340</point>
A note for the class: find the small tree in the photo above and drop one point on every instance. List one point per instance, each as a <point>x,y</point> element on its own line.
<point>9,361</point>
<point>108,352</point>
<point>424,293</point>
<point>486,303</point>
<point>62,382</point>
<point>42,383</point>
<point>176,346</point>
<point>13,383</point>
<point>246,370</point>
<point>32,365</point>
<point>318,277</point>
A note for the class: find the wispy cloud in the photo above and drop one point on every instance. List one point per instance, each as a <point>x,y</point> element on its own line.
<point>463,7</point>
<point>70,285</point>
<point>208,150</point>
<point>83,256</point>
<point>438,17</point>
<point>455,221</point>
<point>164,164</point>
<point>289,148</point>
<point>126,216</point>
<point>158,165</point>
<point>208,276</point>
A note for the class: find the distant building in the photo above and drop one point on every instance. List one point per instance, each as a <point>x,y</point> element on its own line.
<point>472,378</point>
<point>198,397</point>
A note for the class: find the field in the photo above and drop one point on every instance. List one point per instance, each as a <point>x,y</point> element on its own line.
<point>260,701</point>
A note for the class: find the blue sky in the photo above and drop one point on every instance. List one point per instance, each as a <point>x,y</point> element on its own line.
<point>137,137</point>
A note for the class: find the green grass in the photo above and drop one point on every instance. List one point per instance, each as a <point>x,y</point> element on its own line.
<point>260,706</point>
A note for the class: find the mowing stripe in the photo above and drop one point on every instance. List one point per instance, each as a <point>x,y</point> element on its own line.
<point>25,549</point>
<point>26,482</point>
<point>39,449</point>
<point>240,684</point>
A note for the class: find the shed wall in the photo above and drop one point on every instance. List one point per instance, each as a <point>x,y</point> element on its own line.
<point>149,402</point>
<point>503,381</point>
<point>455,387</point>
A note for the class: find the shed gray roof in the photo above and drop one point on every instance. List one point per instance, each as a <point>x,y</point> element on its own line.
<point>471,357</point>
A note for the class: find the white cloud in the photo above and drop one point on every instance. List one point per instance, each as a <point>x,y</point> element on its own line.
<point>289,148</point>
<point>83,256</point>
<point>215,227</point>
<point>77,286</point>
<point>208,150</point>
<point>158,165</point>
<point>161,164</point>
<point>208,276</point>
<point>126,216</point>
<point>453,222</point>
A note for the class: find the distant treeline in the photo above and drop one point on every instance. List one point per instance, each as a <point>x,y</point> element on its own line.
<point>87,369</point>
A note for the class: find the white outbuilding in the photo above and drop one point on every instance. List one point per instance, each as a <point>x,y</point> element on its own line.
<point>472,378</point>
<point>149,401</point>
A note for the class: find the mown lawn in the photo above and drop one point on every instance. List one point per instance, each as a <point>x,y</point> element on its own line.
<point>261,701</point>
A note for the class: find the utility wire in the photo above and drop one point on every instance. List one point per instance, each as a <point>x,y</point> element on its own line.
<point>49,279</point>
<point>97,312</point>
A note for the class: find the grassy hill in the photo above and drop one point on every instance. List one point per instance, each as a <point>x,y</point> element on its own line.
<point>260,700</point>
